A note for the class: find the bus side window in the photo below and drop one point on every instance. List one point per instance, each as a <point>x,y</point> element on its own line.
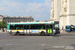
<point>42,28</point>
<point>51,26</point>
<point>38,28</point>
<point>16,28</point>
<point>47,26</point>
<point>21,28</point>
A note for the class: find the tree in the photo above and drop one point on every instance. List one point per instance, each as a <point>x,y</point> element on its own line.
<point>3,24</point>
<point>37,21</point>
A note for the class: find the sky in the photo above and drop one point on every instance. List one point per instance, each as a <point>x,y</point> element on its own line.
<point>38,9</point>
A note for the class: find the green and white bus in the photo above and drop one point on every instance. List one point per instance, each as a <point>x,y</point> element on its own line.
<point>42,28</point>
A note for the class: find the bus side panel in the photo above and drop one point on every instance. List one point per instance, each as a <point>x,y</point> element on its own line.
<point>24,31</point>
<point>42,30</point>
<point>8,27</point>
<point>34,31</point>
<point>8,31</point>
<point>14,31</point>
<point>37,31</point>
<point>67,29</point>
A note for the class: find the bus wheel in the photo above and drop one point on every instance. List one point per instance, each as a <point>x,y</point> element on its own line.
<point>42,33</point>
<point>17,33</point>
<point>68,32</point>
<point>10,32</point>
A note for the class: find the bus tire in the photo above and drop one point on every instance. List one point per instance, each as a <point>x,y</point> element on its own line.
<point>68,31</point>
<point>42,33</point>
<point>10,32</point>
<point>17,33</point>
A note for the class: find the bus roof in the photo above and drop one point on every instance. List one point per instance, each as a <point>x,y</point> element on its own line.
<point>32,23</point>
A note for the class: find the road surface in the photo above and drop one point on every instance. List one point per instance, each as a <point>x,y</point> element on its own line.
<point>64,41</point>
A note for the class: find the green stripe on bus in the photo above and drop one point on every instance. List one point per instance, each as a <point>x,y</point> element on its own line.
<point>49,31</point>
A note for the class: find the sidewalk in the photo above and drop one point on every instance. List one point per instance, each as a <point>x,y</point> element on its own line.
<point>2,32</point>
<point>63,32</point>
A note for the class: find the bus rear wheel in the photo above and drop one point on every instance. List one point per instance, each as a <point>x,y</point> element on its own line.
<point>10,32</point>
<point>17,33</point>
<point>42,33</point>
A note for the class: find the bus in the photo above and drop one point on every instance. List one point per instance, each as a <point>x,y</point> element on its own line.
<point>70,28</point>
<point>42,28</point>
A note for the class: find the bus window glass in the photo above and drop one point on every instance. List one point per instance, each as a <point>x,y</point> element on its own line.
<point>51,26</point>
<point>42,26</point>
<point>17,27</point>
<point>34,26</point>
<point>26,26</point>
<point>56,25</point>
<point>38,26</point>
<point>67,27</point>
<point>47,26</point>
<point>72,26</point>
<point>12,27</point>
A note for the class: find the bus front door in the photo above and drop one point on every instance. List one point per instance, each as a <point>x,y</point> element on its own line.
<point>49,29</point>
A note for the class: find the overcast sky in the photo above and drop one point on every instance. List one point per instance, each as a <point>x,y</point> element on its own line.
<point>38,9</point>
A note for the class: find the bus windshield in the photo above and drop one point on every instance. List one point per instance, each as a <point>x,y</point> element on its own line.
<point>56,26</point>
<point>67,27</point>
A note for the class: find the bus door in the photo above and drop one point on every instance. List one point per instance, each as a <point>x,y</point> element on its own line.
<point>49,29</point>
<point>26,29</point>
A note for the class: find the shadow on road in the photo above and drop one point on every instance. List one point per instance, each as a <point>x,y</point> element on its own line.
<point>36,35</point>
<point>66,34</point>
<point>62,34</point>
<point>73,45</point>
<point>0,48</point>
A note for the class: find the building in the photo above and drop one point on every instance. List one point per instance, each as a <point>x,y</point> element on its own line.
<point>55,10</point>
<point>12,19</point>
<point>63,11</point>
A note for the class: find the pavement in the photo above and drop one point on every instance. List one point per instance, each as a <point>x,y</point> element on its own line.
<point>64,41</point>
<point>2,31</point>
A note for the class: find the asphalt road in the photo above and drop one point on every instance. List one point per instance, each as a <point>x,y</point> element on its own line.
<point>64,41</point>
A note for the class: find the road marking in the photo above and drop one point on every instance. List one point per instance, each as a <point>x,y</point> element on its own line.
<point>12,44</point>
<point>43,44</point>
<point>50,36</point>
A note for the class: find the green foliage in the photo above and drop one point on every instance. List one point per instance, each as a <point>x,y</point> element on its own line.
<point>37,21</point>
<point>3,24</point>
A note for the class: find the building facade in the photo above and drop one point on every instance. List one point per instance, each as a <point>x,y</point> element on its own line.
<point>63,12</point>
<point>55,10</point>
<point>13,19</point>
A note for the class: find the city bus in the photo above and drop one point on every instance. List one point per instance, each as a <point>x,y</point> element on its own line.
<point>42,28</point>
<point>70,28</point>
